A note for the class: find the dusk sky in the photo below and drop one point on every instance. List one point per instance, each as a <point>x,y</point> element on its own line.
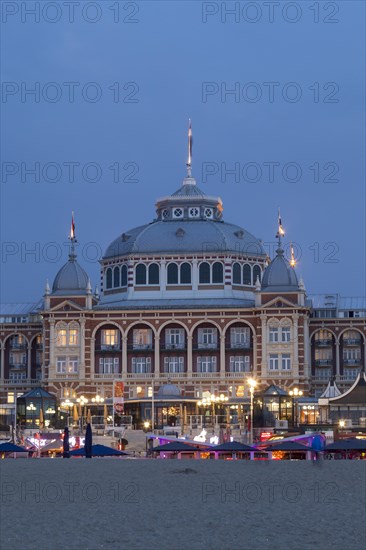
<point>293,129</point>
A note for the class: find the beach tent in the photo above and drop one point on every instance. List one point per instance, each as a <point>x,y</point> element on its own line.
<point>11,448</point>
<point>174,447</point>
<point>232,446</point>
<point>347,445</point>
<point>288,447</point>
<point>98,450</point>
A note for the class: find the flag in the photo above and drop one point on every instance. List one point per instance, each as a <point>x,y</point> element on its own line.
<point>280,232</point>
<point>72,229</point>
<point>292,260</point>
<point>190,143</point>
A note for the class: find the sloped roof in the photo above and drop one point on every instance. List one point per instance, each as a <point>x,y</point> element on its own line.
<point>356,395</point>
<point>279,276</point>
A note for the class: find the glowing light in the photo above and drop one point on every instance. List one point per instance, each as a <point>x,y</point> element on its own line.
<point>201,437</point>
<point>292,260</point>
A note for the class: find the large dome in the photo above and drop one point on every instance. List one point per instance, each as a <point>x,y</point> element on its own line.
<point>279,276</point>
<point>186,236</point>
<point>71,279</point>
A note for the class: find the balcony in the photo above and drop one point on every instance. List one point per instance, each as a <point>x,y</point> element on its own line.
<point>356,362</point>
<point>238,374</point>
<point>107,376</point>
<point>16,345</point>
<point>352,341</point>
<point>139,347</point>
<point>108,347</point>
<point>173,347</point>
<point>241,345</point>
<point>141,375</point>
<point>323,342</point>
<point>17,366</point>
<point>20,382</point>
<point>206,347</point>
<point>173,375</point>
<point>347,377</point>
<point>205,374</point>
<point>66,376</point>
<point>323,362</point>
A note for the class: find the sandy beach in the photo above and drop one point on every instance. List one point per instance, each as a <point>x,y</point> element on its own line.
<point>161,504</point>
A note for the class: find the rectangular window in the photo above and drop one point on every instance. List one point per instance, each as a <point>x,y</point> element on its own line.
<point>273,334</point>
<point>207,337</point>
<point>11,397</point>
<point>206,364</point>
<point>108,365</point>
<point>240,363</point>
<point>73,365</point>
<point>110,338</point>
<point>142,338</point>
<point>173,364</point>
<point>141,365</point>
<point>61,337</point>
<point>273,361</point>
<point>174,338</point>
<point>286,361</point>
<point>352,353</point>
<point>286,334</point>
<point>239,337</point>
<point>73,337</point>
<point>61,365</point>
<point>323,374</point>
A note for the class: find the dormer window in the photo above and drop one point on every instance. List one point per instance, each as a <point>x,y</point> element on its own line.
<point>208,213</point>
<point>166,214</point>
<point>178,213</point>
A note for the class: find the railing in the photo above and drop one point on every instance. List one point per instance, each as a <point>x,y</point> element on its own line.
<point>351,341</point>
<point>356,361</point>
<point>281,373</point>
<point>18,366</point>
<point>244,345</point>
<point>238,374</point>
<point>323,342</point>
<point>106,347</point>
<point>349,377</point>
<point>137,375</point>
<point>205,374</point>
<point>140,347</point>
<point>173,375</point>
<point>206,347</point>
<point>107,376</point>
<point>23,382</point>
<point>66,376</point>
<point>323,362</point>
<point>17,346</point>
<point>173,347</point>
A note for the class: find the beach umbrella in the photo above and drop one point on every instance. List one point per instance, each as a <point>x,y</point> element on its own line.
<point>11,448</point>
<point>88,441</point>
<point>66,444</point>
<point>174,447</point>
<point>98,450</point>
<point>41,419</point>
<point>232,446</point>
<point>76,414</point>
<point>88,417</point>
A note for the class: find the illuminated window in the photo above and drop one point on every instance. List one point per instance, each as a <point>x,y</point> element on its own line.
<point>11,397</point>
<point>73,337</point>
<point>61,337</point>
<point>73,365</point>
<point>110,337</point>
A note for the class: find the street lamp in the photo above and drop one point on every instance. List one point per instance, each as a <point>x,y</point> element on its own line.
<point>82,401</point>
<point>67,405</point>
<point>295,393</point>
<point>252,384</point>
<point>210,401</point>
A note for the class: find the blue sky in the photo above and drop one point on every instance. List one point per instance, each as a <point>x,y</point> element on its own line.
<point>166,63</point>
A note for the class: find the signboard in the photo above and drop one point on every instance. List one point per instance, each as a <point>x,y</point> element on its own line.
<point>118,390</point>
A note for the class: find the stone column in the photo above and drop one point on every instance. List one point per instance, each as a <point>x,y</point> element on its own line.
<point>2,362</point>
<point>82,342</point>
<point>52,347</point>
<point>222,356</point>
<point>255,356</point>
<point>338,369</point>
<point>195,275</point>
<point>307,372</point>
<point>157,357</point>
<point>163,275</point>
<point>264,367</point>
<point>189,355</point>
<point>92,357</point>
<point>124,357</point>
<point>295,347</point>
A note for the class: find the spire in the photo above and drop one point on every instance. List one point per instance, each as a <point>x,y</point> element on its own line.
<point>47,289</point>
<point>190,144</point>
<point>257,284</point>
<point>280,233</point>
<point>293,259</point>
<point>72,238</point>
<point>89,287</point>
<point>96,292</point>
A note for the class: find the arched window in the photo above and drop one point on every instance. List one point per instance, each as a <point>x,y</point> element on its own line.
<point>172,274</point>
<point>109,278</point>
<point>185,274</point>
<point>116,278</point>
<point>236,274</point>
<point>141,274</point>
<point>153,274</point>
<point>257,273</point>
<point>217,273</point>
<point>247,275</point>
<point>205,275</point>
<point>124,275</point>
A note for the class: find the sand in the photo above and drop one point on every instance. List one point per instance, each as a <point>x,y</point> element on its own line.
<point>182,504</point>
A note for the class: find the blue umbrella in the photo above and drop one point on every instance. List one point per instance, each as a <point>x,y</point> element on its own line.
<point>98,450</point>
<point>11,448</point>
<point>66,444</point>
<point>88,441</point>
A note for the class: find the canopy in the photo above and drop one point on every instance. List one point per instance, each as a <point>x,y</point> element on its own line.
<point>174,446</point>
<point>232,446</point>
<point>347,445</point>
<point>287,446</point>
<point>11,448</point>
<point>98,450</point>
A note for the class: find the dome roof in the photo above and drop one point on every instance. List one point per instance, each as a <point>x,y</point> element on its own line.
<point>71,279</point>
<point>178,236</point>
<point>169,391</point>
<point>279,276</point>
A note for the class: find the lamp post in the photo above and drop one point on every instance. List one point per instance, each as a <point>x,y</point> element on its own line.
<point>252,384</point>
<point>82,401</point>
<point>210,401</point>
<point>49,411</point>
<point>295,393</point>
<point>67,405</point>
<point>31,408</point>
